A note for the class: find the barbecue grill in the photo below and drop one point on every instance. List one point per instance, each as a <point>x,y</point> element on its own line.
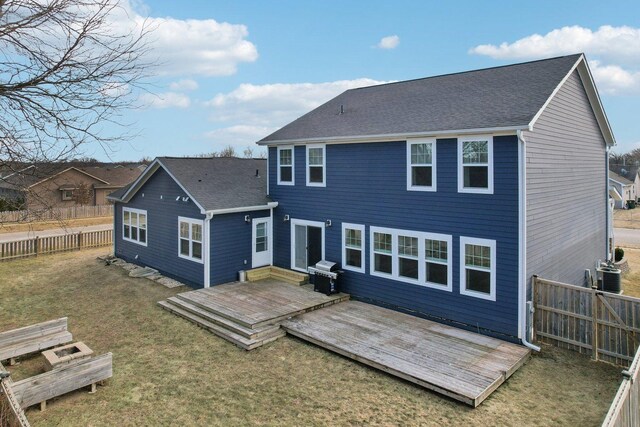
<point>325,277</point>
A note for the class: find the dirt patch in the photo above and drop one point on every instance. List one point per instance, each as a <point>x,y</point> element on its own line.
<point>167,371</point>
<point>626,218</point>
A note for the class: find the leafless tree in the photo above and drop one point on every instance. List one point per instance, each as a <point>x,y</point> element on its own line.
<point>68,68</point>
<point>227,151</point>
<point>248,153</point>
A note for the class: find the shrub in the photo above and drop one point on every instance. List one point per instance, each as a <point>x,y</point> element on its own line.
<point>619,254</point>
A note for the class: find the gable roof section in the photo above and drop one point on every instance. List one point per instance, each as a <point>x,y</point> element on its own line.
<point>216,185</point>
<point>628,171</point>
<point>506,98</point>
<point>619,179</point>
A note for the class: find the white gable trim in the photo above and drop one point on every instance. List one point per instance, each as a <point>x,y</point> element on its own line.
<point>592,94</point>
<point>144,177</point>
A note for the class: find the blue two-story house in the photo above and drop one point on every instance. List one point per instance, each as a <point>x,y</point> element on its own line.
<point>440,196</point>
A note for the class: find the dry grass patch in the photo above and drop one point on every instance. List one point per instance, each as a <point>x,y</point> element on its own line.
<point>626,218</point>
<point>169,372</point>
<point>631,281</point>
<point>13,227</point>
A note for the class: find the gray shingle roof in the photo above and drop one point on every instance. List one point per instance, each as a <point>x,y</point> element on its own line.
<point>505,96</point>
<point>620,179</point>
<point>216,183</point>
<point>628,171</point>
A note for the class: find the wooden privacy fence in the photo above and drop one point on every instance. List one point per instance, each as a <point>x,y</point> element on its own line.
<point>52,244</point>
<point>625,410</point>
<point>603,325</point>
<point>56,214</point>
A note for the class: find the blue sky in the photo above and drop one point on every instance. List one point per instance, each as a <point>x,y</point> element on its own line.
<point>231,72</point>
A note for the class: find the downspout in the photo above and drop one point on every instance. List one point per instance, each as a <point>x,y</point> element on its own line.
<point>606,198</point>
<point>524,309</point>
<point>207,249</point>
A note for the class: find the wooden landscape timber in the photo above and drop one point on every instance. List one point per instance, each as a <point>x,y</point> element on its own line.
<point>63,379</point>
<point>33,338</point>
<point>272,272</point>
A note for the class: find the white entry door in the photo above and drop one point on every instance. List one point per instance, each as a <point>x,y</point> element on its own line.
<point>261,242</point>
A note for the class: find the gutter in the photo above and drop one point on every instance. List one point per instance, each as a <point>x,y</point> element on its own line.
<point>606,200</point>
<point>524,307</point>
<point>507,130</point>
<point>269,205</point>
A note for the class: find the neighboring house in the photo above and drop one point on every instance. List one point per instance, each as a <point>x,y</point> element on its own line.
<point>440,197</point>
<point>624,187</point>
<point>630,172</point>
<point>200,220</point>
<point>61,185</point>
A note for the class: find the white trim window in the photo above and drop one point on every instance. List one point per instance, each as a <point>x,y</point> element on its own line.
<point>475,164</point>
<point>437,259</point>
<point>316,165</point>
<point>134,225</point>
<point>478,268</point>
<point>421,165</point>
<point>286,166</point>
<point>190,238</point>
<point>414,257</point>
<point>353,247</point>
<point>67,194</point>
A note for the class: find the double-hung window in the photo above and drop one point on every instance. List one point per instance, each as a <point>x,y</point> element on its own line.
<point>382,259</point>
<point>353,247</point>
<point>478,268</point>
<point>190,238</point>
<point>134,225</point>
<point>285,166</point>
<point>421,165</point>
<point>414,257</point>
<point>316,165</point>
<point>475,164</point>
<point>437,260</point>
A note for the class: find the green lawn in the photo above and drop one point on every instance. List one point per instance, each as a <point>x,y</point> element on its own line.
<point>169,372</point>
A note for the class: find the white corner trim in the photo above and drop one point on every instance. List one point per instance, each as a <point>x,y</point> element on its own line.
<point>491,296</point>
<point>434,174</point>
<point>461,187</point>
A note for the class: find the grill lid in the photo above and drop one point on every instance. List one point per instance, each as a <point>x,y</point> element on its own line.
<point>325,265</point>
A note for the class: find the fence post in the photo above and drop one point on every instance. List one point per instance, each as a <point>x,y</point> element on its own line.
<point>534,295</point>
<point>79,240</point>
<point>36,244</point>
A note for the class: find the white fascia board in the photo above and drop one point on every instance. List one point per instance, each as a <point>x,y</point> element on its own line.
<point>505,130</point>
<point>270,205</point>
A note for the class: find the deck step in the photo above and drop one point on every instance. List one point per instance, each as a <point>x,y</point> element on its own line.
<point>222,332</point>
<point>224,321</point>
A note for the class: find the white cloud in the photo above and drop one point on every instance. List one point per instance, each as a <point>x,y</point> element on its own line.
<point>203,47</point>
<point>274,105</point>
<point>239,135</point>
<point>620,44</point>
<point>254,111</point>
<point>617,50</point>
<point>165,100</point>
<point>183,85</point>
<point>389,42</point>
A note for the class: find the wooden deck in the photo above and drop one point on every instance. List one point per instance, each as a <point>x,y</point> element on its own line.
<point>265,302</point>
<point>460,364</point>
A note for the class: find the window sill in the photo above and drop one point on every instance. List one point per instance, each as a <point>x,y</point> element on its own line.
<point>354,269</point>
<point>480,295</point>
<point>286,183</point>
<point>475,190</point>
<point>199,261</point>
<point>137,242</point>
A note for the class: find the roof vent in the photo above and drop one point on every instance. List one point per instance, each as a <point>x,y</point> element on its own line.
<point>341,109</point>
<point>257,173</point>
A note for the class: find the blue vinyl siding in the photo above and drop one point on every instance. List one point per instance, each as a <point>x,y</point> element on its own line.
<point>366,184</point>
<point>161,251</point>
<point>231,245</point>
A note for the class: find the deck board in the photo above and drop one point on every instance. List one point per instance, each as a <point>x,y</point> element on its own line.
<point>257,303</point>
<point>461,364</point>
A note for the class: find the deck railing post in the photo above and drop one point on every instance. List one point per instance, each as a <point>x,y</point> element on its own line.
<point>79,240</point>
